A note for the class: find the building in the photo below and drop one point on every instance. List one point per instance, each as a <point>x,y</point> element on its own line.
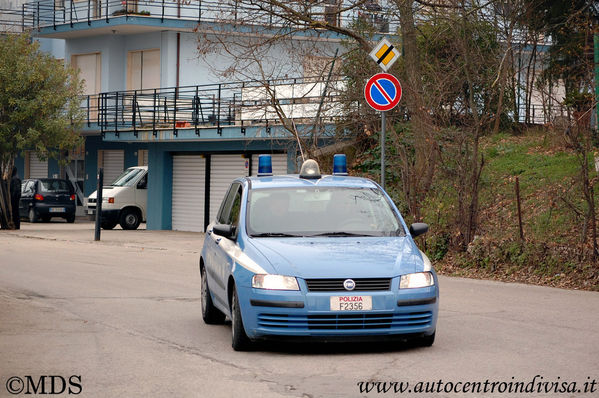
<point>152,99</point>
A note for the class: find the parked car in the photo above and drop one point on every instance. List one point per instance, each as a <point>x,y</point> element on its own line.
<point>124,200</point>
<point>315,256</point>
<point>44,198</point>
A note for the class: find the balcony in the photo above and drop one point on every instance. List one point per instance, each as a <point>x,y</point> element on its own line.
<point>221,111</point>
<point>75,18</point>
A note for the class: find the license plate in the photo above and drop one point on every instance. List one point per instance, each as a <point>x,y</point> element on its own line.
<point>56,209</point>
<point>351,303</point>
<point>91,211</point>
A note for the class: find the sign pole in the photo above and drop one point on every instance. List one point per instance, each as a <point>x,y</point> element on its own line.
<point>383,149</point>
<point>99,204</point>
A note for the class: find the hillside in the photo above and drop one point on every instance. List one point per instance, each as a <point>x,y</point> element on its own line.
<point>553,251</point>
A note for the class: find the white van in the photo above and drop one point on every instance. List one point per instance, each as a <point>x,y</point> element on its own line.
<point>124,201</point>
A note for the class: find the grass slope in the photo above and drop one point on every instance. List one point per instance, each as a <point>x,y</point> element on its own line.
<point>554,251</point>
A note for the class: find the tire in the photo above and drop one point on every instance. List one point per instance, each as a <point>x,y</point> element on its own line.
<point>210,314</point>
<point>130,219</point>
<point>108,225</point>
<point>239,339</point>
<point>427,341</point>
<point>70,219</point>
<point>33,216</point>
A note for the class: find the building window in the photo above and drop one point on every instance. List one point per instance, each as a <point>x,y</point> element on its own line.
<point>143,69</point>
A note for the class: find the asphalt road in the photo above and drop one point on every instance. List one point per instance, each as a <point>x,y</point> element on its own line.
<point>124,315</point>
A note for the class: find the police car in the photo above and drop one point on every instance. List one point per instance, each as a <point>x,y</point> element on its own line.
<point>315,256</point>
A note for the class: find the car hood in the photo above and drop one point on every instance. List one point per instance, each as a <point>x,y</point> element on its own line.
<point>107,191</point>
<point>340,257</point>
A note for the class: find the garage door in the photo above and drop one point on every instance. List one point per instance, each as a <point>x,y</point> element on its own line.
<point>189,177</point>
<point>223,170</point>
<point>279,163</point>
<point>37,168</point>
<point>114,164</point>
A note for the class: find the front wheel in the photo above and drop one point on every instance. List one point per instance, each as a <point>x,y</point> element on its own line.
<point>108,225</point>
<point>427,341</point>
<point>240,340</point>
<point>130,219</point>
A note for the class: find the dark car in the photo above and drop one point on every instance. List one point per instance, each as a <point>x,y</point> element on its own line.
<point>44,198</point>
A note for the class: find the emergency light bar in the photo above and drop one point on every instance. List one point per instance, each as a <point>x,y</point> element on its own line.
<point>264,165</point>
<point>339,165</point>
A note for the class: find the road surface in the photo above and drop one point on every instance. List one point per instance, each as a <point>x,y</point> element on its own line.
<point>124,316</point>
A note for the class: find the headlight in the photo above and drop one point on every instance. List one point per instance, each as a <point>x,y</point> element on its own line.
<point>107,200</point>
<point>274,282</point>
<point>418,279</point>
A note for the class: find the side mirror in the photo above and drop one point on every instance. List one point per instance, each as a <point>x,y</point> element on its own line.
<point>418,228</point>
<point>224,230</point>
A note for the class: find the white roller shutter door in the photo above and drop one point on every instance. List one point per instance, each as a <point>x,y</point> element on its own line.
<point>223,170</point>
<point>189,178</point>
<point>279,163</point>
<point>37,168</point>
<point>113,164</point>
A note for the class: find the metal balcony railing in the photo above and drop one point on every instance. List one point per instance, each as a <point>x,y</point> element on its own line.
<point>242,104</point>
<point>51,13</point>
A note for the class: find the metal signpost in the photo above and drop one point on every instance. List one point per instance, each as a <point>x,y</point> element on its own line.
<point>383,91</point>
<point>99,203</point>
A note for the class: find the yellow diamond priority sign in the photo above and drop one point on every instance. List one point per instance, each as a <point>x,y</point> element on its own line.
<point>385,54</point>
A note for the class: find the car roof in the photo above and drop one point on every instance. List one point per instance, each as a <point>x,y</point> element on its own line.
<point>293,180</point>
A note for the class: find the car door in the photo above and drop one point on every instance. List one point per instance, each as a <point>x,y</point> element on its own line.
<point>141,193</point>
<point>26,197</point>
<point>220,247</point>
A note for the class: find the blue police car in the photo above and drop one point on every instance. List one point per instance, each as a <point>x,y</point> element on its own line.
<point>315,256</point>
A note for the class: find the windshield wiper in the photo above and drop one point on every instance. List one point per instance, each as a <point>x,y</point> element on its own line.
<point>339,233</point>
<point>274,234</point>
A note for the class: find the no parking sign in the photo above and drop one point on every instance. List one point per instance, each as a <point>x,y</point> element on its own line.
<point>382,92</point>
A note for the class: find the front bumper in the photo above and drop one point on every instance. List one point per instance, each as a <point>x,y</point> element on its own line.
<point>395,313</point>
<point>108,215</point>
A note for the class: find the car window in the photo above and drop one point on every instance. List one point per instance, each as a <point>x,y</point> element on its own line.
<point>50,186</point>
<point>321,211</point>
<point>128,177</point>
<point>143,182</point>
<point>28,187</point>
<point>235,209</point>
<point>224,214</point>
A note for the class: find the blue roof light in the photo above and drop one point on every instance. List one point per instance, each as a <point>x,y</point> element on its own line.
<point>264,165</point>
<point>339,165</point>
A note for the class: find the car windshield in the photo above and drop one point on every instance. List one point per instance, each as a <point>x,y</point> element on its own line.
<point>128,178</point>
<point>290,212</point>
<point>50,186</point>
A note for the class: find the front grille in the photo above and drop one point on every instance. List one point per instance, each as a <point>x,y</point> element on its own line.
<point>353,321</point>
<point>91,200</point>
<point>336,285</point>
